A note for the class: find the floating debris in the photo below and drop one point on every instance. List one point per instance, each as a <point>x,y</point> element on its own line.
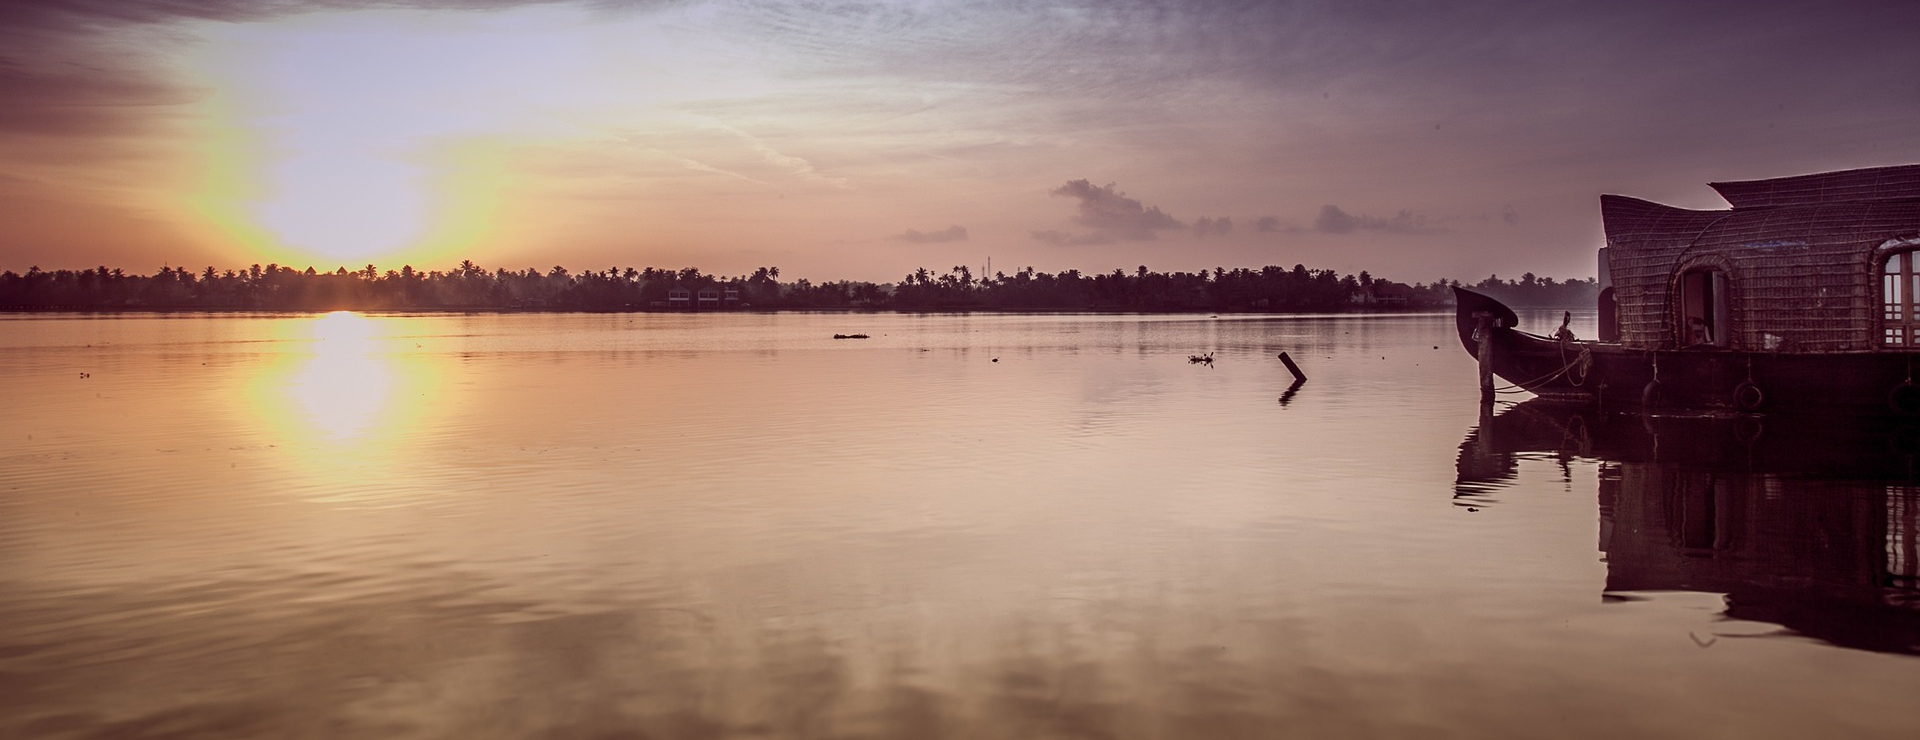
<point>1206,359</point>
<point>1298,377</point>
<point>850,336</point>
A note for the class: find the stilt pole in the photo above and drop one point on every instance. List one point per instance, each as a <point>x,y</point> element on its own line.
<point>1485,332</point>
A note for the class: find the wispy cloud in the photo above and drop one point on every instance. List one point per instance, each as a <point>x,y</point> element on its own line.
<point>954,233</point>
<point>1064,239</point>
<point>1206,226</point>
<point>793,165</point>
<point>699,166</point>
<point>1334,220</point>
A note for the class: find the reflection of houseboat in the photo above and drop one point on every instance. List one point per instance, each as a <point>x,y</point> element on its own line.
<point>1801,297</point>
<point>1814,528</point>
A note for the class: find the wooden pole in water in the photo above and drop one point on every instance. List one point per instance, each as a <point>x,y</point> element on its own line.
<point>1298,377</point>
<point>1485,355</point>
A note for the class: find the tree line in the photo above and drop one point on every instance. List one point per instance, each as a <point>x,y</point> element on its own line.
<point>469,286</point>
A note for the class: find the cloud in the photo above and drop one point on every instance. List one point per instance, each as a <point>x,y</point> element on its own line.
<point>1210,226</point>
<point>1271,225</point>
<point>1063,239</point>
<point>82,68</point>
<point>954,233</point>
<point>57,14</point>
<point>1333,220</point>
<point>793,165</point>
<point>1113,214</point>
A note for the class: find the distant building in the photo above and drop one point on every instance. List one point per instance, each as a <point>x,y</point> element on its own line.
<point>709,297</point>
<point>1385,293</point>
<point>679,298</point>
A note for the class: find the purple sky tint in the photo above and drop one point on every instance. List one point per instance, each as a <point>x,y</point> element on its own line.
<point>862,139</point>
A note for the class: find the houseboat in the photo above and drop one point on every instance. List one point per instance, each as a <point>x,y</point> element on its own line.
<point>1799,298</point>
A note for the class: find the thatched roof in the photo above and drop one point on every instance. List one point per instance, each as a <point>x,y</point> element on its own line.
<point>1874,184</point>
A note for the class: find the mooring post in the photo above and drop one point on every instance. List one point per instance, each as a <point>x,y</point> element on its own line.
<point>1484,331</point>
<point>1484,449</point>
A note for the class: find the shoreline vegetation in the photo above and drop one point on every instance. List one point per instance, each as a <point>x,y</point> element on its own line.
<point>470,287</point>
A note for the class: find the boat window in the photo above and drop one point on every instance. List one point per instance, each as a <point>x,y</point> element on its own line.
<point>1898,285</point>
<point>1703,309</point>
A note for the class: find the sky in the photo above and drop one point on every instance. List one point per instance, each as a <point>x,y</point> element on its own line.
<point>859,140</point>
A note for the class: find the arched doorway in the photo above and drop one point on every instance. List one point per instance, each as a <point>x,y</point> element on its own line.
<point>1703,319</point>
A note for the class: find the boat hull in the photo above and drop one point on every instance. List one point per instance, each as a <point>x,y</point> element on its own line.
<point>1711,380</point>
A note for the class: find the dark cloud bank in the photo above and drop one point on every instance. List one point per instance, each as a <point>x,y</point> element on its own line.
<point>1212,226</point>
<point>1333,220</point>
<point>1111,214</point>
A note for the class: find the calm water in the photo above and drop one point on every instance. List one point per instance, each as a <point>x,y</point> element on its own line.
<point>672,526</point>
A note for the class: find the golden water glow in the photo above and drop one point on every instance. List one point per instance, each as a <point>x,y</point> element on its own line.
<point>345,384</point>
<point>350,387</point>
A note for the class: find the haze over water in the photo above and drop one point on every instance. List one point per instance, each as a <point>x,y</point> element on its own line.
<point>733,525</point>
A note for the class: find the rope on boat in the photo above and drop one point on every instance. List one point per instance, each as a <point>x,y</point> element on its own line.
<point>1582,362</point>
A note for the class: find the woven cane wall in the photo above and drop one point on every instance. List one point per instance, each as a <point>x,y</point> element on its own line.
<point>1645,240</point>
<point>1806,275</point>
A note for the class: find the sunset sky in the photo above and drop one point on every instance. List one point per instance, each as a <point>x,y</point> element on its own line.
<point>859,140</point>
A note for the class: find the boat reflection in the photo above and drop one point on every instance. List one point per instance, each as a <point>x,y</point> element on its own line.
<point>1813,526</point>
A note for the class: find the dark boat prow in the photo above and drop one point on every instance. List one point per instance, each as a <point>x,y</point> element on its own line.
<point>1469,306</point>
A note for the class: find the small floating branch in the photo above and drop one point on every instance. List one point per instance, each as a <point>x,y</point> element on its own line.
<point>849,336</point>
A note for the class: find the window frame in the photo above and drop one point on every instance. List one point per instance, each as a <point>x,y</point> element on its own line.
<point>1899,325</point>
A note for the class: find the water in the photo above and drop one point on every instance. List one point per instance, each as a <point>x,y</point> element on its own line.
<point>692,526</point>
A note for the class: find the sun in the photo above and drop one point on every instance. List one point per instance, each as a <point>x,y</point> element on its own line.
<point>369,137</point>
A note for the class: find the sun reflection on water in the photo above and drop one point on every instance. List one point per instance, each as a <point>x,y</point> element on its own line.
<point>344,387</point>
<point>345,384</point>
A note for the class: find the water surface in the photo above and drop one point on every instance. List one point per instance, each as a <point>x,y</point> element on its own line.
<point>614,525</point>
